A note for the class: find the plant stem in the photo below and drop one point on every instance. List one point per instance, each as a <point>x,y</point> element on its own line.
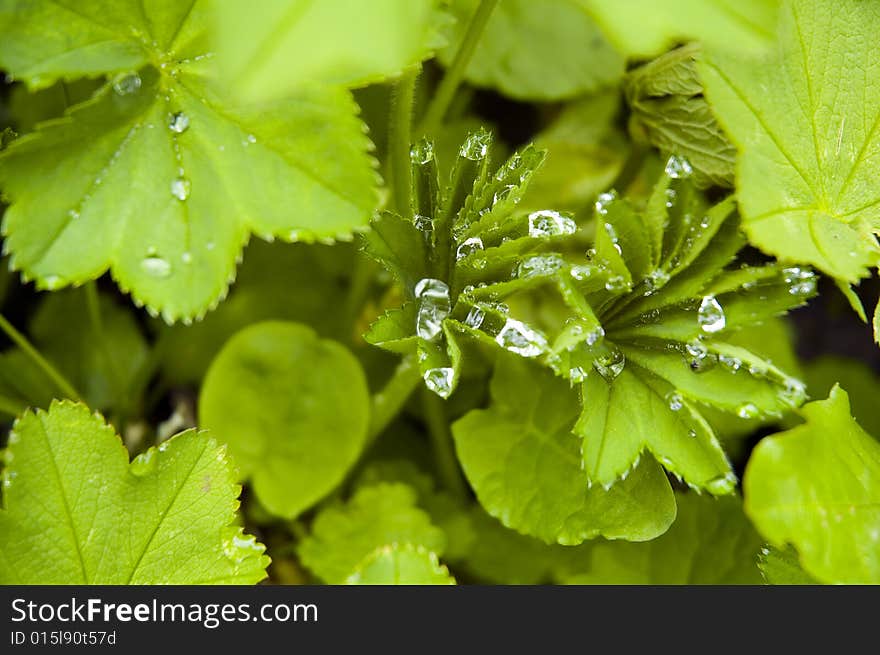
<point>631,168</point>
<point>51,372</point>
<point>441,441</point>
<point>400,138</point>
<point>10,406</point>
<point>449,85</point>
<point>388,402</point>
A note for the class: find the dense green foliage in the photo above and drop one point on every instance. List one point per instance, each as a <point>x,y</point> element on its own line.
<point>530,296</point>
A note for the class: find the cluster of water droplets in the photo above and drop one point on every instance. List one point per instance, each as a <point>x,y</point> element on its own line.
<point>699,357</point>
<point>434,306</point>
<point>603,200</point>
<point>539,265</point>
<point>801,281</point>
<point>678,168</point>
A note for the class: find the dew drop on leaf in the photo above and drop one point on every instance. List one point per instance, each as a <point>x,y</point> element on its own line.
<point>710,315</point>
<point>467,247</point>
<point>610,365</point>
<point>180,188</point>
<point>178,122</point>
<point>723,484</point>
<point>732,364</point>
<point>519,338</point>
<point>698,356</point>
<point>678,168</point>
<point>582,272</point>
<point>616,284</point>
<point>439,380</point>
<point>156,266</point>
<point>747,410</point>
<point>549,223</point>
<point>801,281</point>
<point>434,305</point>
<point>655,281</point>
<point>603,201</point>
<point>126,83</point>
<point>422,152</point>
<point>475,318</point>
<point>144,464</point>
<point>476,146</point>
<point>674,400</point>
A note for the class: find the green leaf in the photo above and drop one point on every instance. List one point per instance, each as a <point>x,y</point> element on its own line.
<point>273,395</point>
<point>668,107</point>
<point>781,567</point>
<point>711,542</point>
<point>536,51</point>
<point>379,516</point>
<point>77,512</point>
<point>817,487</point>
<point>289,43</point>
<point>29,108</point>
<point>644,28</point>
<point>401,565</point>
<point>397,244</point>
<point>161,180</point>
<point>524,464</point>
<point>814,136</point>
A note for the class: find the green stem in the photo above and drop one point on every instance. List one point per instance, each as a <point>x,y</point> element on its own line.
<point>441,442</point>
<point>358,289</point>
<point>454,74</point>
<point>51,372</point>
<point>400,138</point>
<point>10,406</point>
<point>388,402</point>
<point>631,168</point>
<point>142,376</point>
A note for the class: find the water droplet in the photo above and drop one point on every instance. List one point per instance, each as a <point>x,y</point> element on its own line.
<point>678,167</point>
<point>186,257</point>
<point>519,338</point>
<point>144,464</point>
<point>467,247</point>
<point>178,122</point>
<point>616,284</point>
<point>692,434</point>
<point>422,152</point>
<point>610,365</point>
<point>710,315</point>
<point>801,281</point>
<point>577,374</point>
<point>723,484</point>
<point>53,282</point>
<point>503,194</point>
<point>476,146</point>
<point>581,272</point>
<point>611,232</point>
<point>126,83</point>
<point>698,356</point>
<point>251,138</point>
<point>594,335</point>
<point>73,214</point>
<point>603,201</point>
<point>747,410</point>
<point>156,266</point>
<point>549,223</point>
<point>439,380</point>
<point>475,317</point>
<point>675,401</point>
<point>434,305</point>
<point>732,364</point>
<point>424,224</point>
<point>794,393</point>
<point>180,188</point>
<point>539,265</point>
<point>656,280</point>
<point>671,196</point>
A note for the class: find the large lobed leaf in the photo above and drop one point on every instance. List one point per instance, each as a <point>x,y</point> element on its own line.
<point>159,178</point>
<point>817,487</point>
<point>274,394</point>
<point>805,117</point>
<point>77,512</point>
